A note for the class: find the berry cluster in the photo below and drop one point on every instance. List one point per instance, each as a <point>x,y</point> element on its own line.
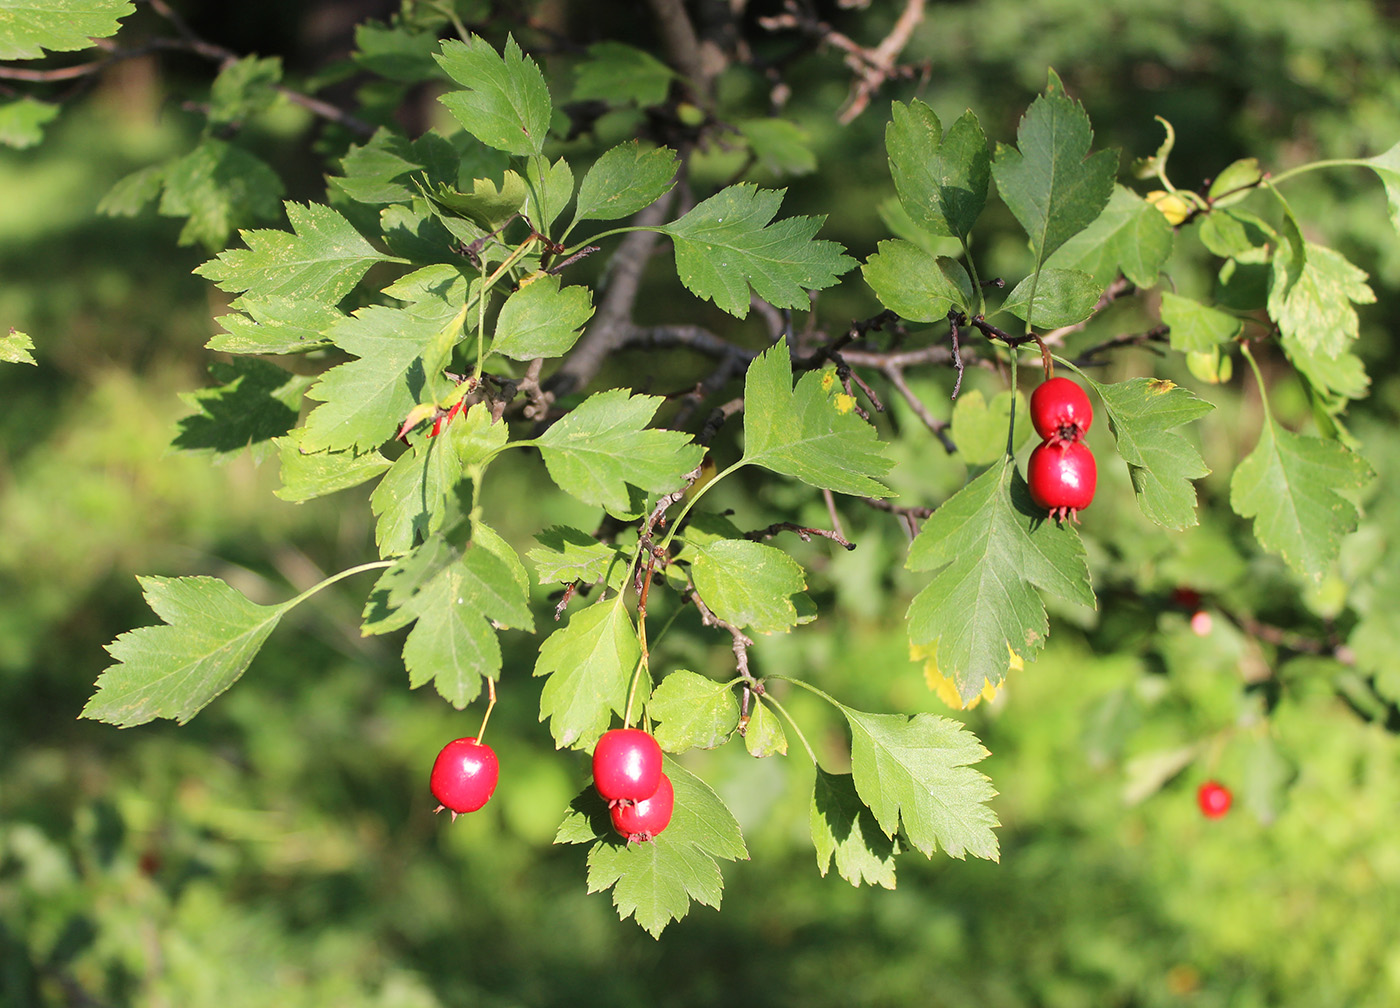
<point>1061,473</point>
<point>626,772</point>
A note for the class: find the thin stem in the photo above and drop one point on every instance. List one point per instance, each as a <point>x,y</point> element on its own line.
<point>372,565</point>
<point>490,705</point>
<point>1259,378</point>
<point>604,234</point>
<point>666,541</point>
<point>810,689</point>
<point>791,721</point>
<point>1314,165</point>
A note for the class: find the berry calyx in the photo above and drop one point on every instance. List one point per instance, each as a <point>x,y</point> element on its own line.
<point>1060,411</point>
<point>643,820</point>
<point>464,775</point>
<point>626,765</point>
<point>1062,478</point>
<point>1214,799</point>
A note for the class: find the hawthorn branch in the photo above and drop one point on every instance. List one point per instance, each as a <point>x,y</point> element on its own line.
<point>803,532</point>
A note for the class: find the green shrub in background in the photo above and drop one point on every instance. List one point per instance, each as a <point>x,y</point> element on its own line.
<point>1230,624</point>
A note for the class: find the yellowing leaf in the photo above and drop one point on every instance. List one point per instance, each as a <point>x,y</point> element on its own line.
<point>945,688</point>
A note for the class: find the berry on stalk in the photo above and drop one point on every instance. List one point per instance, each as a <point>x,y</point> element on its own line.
<point>1060,411</point>
<point>626,765</point>
<point>464,775</point>
<point>645,819</point>
<point>1062,478</point>
<point>1214,799</point>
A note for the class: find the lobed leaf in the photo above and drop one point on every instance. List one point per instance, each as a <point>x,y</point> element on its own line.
<point>726,246</point>
<point>941,178</point>
<point>15,347</point>
<point>1054,297</point>
<point>845,831</point>
<point>1311,292</point>
<point>1130,236</point>
<point>210,636</point>
<point>28,27</point>
<point>589,663</point>
<point>692,711</point>
<point>916,285</point>
<point>747,584</point>
<point>306,475</point>
<point>253,402</point>
<point>22,121</point>
<point>566,555</point>
<point>1196,327</point>
<point>990,549</point>
<point>541,320</point>
<point>505,103</point>
<point>615,72</point>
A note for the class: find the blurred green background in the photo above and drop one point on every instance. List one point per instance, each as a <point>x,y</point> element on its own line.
<point>281,848</point>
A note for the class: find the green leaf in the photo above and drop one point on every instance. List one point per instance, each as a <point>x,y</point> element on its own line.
<point>365,400</point>
<point>275,325</point>
<point>941,179</point>
<point>915,284</point>
<point>1130,236</point>
<point>210,635</point>
<point>726,245</point>
<point>1197,328</point>
<point>244,88</point>
<point>550,187</point>
<point>990,549</point>
<point>456,595</point>
<point>779,145</point>
<point>764,735</point>
<point>589,662</point>
<point>506,103</point>
<point>1341,375</point>
<point>490,203</point>
<point>624,180</point>
<point>656,881</point>
<point>397,53</point>
<point>1387,166</point>
<point>15,347</point>
<point>602,446</point>
<point>22,121</point>
<point>27,27</point>
<point>252,402</point>
<point>541,320</point>
<point>566,555</point>
<point>979,428</point>
<point>1234,182</point>
<point>1288,484</point>
<point>692,711</point>
<point>1142,413</point>
<point>217,187</point>
<point>382,170</point>
<point>1062,297</point>
<point>306,475</point>
<point>320,262</point>
<point>1375,639</point>
<point>617,73</point>
<point>747,584</point>
<point>844,830</point>
<point>805,432</point>
<point>1051,183</point>
<point>1237,234</point>
<point>1311,292</point>
<point>916,771</point>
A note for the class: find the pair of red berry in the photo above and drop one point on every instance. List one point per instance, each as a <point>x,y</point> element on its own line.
<point>1062,473</point>
<point>627,774</point>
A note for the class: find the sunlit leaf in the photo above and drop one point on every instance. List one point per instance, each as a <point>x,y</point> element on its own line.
<point>505,103</point>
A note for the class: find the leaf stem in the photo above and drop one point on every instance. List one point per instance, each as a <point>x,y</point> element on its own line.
<point>791,721</point>
<point>605,234</point>
<point>1259,378</point>
<point>810,689</point>
<point>1314,165</point>
<point>680,518</point>
<point>372,565</point>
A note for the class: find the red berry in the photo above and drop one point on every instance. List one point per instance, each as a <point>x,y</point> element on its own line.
<point>626,765</point>
<point>648,817</point>
<point>1201,623</point>
<point>1214,799</point>
<point>1186,598</point>
<point>1062,478</point>
<point>464,775</point>
<point>1060,411</point>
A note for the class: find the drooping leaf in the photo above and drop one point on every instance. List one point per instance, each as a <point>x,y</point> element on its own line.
<point>917,772</point>
<point>845,831</point>
<point>320,261</point>
<point>22,121</point>
<point>979,427</point>
<point>918,286</point>
<point>244,88</point>
<point>1142,413</point>
<point>615,72</point>
<point>990,549</point>
<point>549,189</point>
<point>1061,297</point>
<point>489,202</point>
<point>625,179</point>
<point>566,555</point>
<point>764,735</point>
<point>1288,484</point>
<point>1130,236</point>
<point>1311,293</point>
<point>15,347</point>
<point>1050,181</point>
<point>602,446</point>
<point>306,475</point>
<point>941,178</point>
<point>803,432</point>
<point>747,584</point>
<point>692,711</point>
<point>28,27</point>
<point>383,169</point>
<point>726,245</point>
<point>275,325</point>
<point>216,187</point>
<point>589,663</point>
<point>505,103</point>
<point>541,320</point>
<point>253,401</point>
<point>1342,375</point>
<point>210,636</point>
<point>656,881</point>
<point>1196,327</point>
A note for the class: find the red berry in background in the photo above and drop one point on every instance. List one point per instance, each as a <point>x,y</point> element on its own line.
<point>1186,598</point>
<point>1062,478</point>
<point>1201,623</point>
<point>1060,411</point>
<point>1214,799</point>
<point>464,775</point>
<point>645,819</point>
<point>626,765</point>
